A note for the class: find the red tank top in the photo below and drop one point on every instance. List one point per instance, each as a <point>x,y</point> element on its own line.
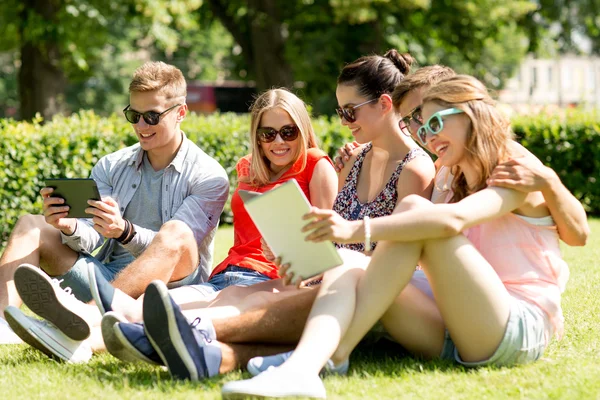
<point>246,251</point>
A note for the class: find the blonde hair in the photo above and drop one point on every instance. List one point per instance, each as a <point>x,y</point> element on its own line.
<point>489,134</point>
<point>290,103</point>
<point>159,76</point>
<point>423,77</point>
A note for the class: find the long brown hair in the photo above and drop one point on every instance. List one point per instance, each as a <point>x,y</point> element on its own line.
<point>289,102</point>
<point>489,134</point>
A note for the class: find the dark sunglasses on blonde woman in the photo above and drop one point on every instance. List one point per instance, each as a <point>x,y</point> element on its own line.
<point>267,134</point>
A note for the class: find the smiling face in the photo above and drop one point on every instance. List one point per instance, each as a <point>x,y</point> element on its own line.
<point>279,152</point>
<point>449,144</point>
<point>367,118</point>
<point>164,138</point>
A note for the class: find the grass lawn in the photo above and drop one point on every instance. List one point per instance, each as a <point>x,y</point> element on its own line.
<point>569,369</point>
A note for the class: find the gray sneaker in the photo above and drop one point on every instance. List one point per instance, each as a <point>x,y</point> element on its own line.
<point>44,296</point>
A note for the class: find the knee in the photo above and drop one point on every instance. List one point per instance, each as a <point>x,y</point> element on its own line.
<point>411,202</point>
<point>30,223</point>
<point>176,235</point>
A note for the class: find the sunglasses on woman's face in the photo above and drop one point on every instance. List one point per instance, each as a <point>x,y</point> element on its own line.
<point>151,117</point>
<point>413,117</point>
<point>435,124</point>
<point>267,134</point>
<point>349,112</point>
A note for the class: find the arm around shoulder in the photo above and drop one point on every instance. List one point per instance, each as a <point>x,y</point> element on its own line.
<point>567,212</point>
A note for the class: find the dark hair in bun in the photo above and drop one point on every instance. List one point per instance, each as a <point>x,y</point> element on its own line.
<point>376,75</point>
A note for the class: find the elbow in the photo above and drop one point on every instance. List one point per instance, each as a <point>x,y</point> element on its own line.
<point>453,225</point>
<point>580,239</point>
<point>577,236</point>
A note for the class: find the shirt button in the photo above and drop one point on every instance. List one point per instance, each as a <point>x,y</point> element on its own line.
<point>122,209</point>
<point>134,186</point>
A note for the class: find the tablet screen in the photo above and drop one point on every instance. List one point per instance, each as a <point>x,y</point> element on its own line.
<point>76,193</point>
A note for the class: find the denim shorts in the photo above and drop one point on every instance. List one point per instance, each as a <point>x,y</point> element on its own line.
<point>524,340</point>
<point>230,276</point>
<point>77,277</point>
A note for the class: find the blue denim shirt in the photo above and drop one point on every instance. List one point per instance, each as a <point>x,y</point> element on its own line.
<point>195,188</point>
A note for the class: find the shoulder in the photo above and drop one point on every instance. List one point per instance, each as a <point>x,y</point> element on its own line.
<point>243,165</point>
<point>314,154</point>
<point>417,175</point>
<point>201,162</point>
<point>350,163</point>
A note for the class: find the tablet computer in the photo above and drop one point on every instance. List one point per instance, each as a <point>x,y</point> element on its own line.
<point>278,216</point>
<point>76,193</point>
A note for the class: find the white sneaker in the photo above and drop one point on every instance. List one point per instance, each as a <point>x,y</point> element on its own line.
<point>44,296</point>
<point>7,336</point>
<point>47,338</point>
<point>276,382</point>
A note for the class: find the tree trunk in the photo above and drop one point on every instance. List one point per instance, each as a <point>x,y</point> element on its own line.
<point>41,79</point>
<point>270,66</point>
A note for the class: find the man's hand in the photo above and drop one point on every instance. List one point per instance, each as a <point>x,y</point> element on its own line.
<point>55,212</point>
<point>344,154</point>
<point>525,173</point>
<point>106,217</point>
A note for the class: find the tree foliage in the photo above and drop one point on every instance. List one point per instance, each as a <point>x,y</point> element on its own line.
<point>80,53</point>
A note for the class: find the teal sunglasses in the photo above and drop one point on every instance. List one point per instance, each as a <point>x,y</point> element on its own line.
<point>435,124</point>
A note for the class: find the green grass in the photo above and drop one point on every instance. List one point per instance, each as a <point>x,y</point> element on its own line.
<point>569,369</point>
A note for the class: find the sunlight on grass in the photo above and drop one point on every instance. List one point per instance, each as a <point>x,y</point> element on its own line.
<point>569,369</point>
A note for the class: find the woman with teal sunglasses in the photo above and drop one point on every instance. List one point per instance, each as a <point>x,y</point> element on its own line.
<point>491,255</point>
<point>435,124</point>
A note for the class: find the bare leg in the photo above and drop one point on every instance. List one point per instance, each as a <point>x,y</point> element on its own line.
<point>329,318</point>
<point>473,302</point>
<point>35,242</point>
<point>471,299</point>
<point>281,321</point>
<point>172,255</point>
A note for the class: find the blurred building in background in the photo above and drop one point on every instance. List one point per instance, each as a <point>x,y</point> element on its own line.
<point>565,81</point>
<point>227,96</point>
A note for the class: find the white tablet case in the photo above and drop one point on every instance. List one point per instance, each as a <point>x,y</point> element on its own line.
<point>278,216</point>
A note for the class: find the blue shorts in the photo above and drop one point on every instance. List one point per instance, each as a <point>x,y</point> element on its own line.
<point>524,340</point>
<point>230,276</point>
<point>77,277</point>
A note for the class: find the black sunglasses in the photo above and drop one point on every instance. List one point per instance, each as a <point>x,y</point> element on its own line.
<point>349,112</point>
<point>151,117</point>
<point>413,116</point>
<point>267,134</point>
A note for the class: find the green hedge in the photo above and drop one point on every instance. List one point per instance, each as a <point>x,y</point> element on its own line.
<point>570,144</point>
<point>70,146</point>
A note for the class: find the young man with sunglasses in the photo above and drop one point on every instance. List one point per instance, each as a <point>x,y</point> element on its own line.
<point>160,208</point>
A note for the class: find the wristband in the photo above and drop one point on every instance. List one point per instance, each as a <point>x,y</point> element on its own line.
<point>367,224</point>
<point>126,231</point>
<point>131,234</point>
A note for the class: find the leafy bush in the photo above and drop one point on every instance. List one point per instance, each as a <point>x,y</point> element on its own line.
<point>570,144</point>
<point>70,146</point>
